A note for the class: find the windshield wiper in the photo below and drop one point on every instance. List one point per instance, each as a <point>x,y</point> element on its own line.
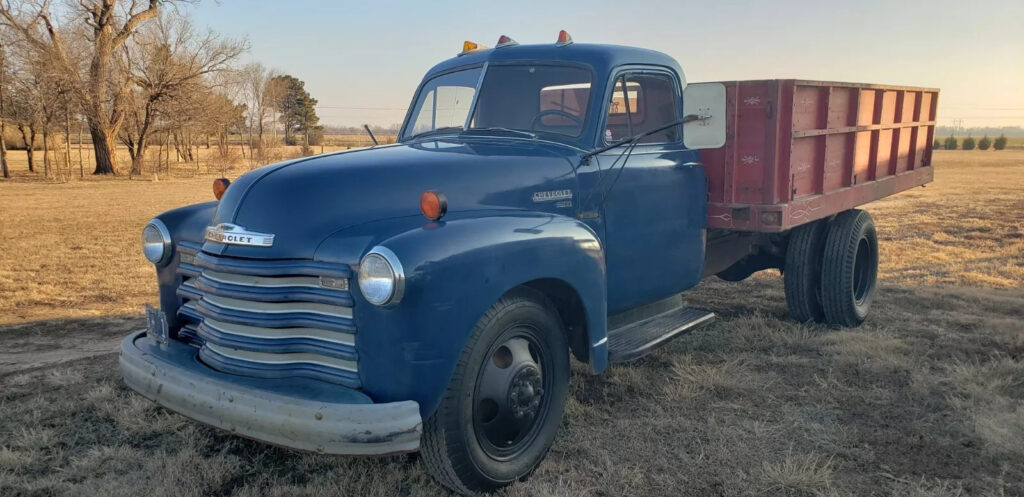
<point>444,129</point>
<point>636,138</point>
<point>505,130</point>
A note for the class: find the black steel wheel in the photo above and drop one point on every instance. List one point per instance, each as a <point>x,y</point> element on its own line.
<point>849,268</point>
<point>802,274</point>
<point>503,407</point>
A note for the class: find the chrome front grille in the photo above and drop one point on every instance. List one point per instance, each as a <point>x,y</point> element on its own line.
<point>269,319</point>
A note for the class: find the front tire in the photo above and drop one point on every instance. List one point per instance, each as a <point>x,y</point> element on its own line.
<point>849,268</point>
<point>505,402</point>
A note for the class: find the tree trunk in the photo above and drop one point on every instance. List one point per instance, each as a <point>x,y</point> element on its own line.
<point>81,163</point>
<point>3,150</point>
<point>30,139</point>
<point>46,152</point>
<point>103,146</point>
<point>67,140</point>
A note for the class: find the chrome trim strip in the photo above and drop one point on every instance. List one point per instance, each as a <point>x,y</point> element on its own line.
<point>281,333</point>
<point>476,95</point>
<point>279,307</point>
<point>283,359</point>
<point>262,281</point>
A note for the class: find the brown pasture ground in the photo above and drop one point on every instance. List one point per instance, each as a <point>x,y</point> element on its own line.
<point>925,399</point>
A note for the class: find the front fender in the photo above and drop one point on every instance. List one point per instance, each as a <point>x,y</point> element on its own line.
<point>455,270</point>
<point>186,224</point>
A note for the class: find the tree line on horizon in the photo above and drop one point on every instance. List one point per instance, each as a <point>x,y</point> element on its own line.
<point>137,74</point>
<point>951,143</point>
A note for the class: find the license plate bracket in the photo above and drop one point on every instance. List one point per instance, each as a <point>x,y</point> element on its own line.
<point>156,325</point>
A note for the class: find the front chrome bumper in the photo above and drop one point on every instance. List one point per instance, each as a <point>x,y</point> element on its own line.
<point>307,415</point>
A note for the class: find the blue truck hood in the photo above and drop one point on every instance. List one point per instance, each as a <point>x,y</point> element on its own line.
<point>304,201</point>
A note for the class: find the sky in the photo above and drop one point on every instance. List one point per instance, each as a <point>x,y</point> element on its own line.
<point>363,59</point>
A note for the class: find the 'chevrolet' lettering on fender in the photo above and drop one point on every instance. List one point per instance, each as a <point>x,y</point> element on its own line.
<point>231,234</point>
<point>552,195</point>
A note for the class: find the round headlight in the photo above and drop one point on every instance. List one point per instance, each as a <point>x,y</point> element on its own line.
<point>156,242</point>
<point>381,279</point>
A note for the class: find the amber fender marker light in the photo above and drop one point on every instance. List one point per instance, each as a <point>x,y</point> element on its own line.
<point>434,205</point>
<point>220,185</point>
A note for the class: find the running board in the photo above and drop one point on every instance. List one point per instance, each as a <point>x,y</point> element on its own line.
<point>638,339</point>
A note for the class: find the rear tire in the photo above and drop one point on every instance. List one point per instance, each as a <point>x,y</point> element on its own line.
<point>849,268</point>
<point>506,399</point>
<point>802,274</point>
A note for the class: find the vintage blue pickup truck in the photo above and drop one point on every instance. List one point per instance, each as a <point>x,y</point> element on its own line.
<point>540,201</point>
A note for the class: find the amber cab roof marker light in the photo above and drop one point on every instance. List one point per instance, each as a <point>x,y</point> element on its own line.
<point>563,39</point>
<point>505,41</point>
<point>220,185</point>
<point>470,47</point>
<point>433,204</point>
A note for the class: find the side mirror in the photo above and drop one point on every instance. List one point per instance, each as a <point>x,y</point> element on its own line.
<point>704,112</point>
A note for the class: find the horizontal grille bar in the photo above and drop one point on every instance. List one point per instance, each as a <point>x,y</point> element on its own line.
<point>263,281</point>
<point>339,338</point>
<point>265,289</point>
<point>283,359</point>
<point>279,340</point>
<point>272,267</point>
<point>334,311</point>
<point>280,365</point>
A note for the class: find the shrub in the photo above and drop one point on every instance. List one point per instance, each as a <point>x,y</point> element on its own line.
<point>949,144</point>
<point>1000,143</point>
<point>984,143</point>
<point>968,143</point>
<point>937,145</point>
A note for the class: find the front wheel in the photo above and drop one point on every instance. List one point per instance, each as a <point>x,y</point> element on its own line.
<point>505,402</point>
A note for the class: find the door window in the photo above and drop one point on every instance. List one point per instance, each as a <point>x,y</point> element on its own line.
<point>642,102</point>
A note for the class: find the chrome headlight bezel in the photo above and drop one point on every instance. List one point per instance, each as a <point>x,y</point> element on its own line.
<point>396,277</point>
<point>157,249</point>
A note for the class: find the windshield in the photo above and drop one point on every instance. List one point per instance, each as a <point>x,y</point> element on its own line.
<point>533,98</point>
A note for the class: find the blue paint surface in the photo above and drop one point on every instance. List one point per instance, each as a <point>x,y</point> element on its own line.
<point>615,246</point>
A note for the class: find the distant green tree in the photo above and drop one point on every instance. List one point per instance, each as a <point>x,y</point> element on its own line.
<point>937,145</point>
<point>949,144</point>
<point>1000,143</point>
<point>968,143</point>
<point>984,143</point>
<point>297,109</point>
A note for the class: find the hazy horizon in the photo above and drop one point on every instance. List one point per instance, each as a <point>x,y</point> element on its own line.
<point>362,61</point>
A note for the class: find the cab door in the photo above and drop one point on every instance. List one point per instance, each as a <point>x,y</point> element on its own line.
<point>654,197</point>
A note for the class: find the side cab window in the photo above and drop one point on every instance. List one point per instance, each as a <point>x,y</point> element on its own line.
<point>642,101</point>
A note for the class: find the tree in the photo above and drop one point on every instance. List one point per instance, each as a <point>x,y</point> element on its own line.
<point>984,143</point>
<point>167,61</point>
<point>297,109</point>
<point>260,91</point>
<point>968,143</point>
<point>937,144</point>
<point>100,86</point>
<point>999,143</point>
<point>949,144</point>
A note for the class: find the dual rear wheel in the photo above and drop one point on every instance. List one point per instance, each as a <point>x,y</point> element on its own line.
<point>831,269</point>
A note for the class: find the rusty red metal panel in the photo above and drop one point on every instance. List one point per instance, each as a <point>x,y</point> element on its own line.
<point>800,150</point>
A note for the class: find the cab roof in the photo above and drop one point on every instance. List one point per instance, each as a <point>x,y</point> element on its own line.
<point>601,58</point>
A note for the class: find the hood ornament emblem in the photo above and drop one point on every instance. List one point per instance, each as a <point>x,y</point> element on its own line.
<point>232,234</point>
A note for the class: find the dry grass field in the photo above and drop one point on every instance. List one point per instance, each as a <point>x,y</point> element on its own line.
<point>926,399</point>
